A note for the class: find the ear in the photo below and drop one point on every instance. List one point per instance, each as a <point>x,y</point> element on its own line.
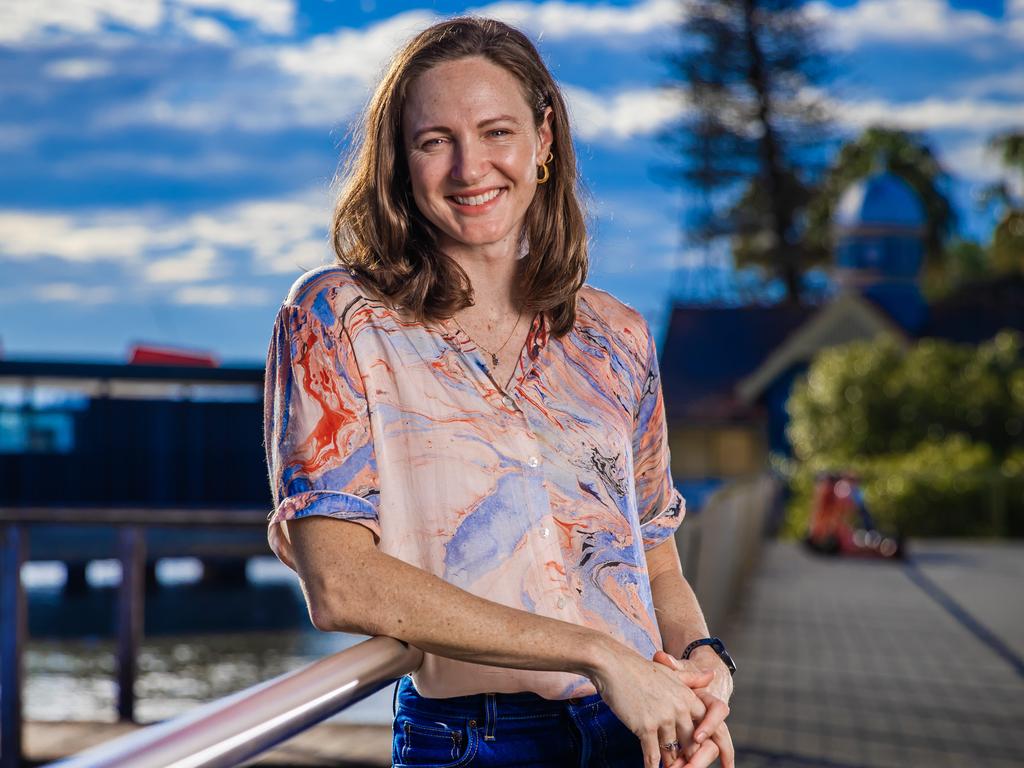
<point>545,135</point>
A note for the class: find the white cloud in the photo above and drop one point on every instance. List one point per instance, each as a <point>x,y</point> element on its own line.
<point>972,115</point>
<point>621,115</point>
<point>29,23</point>
<point>273,16</point>
<point>26,22</point>
<point>198,263</point>
<point>1015,20</point>
<point>14,137</point>
<point>205,30</point>
<point>972,161</point>
<point>555,20</point>
<point>357,54</point>
<point>220,295</point>
<point>277,236</point>
<point>73,293</point>
<point>109,236</point>
<point>911,22</point>
<point>1006,83</point>
<point>78,69</point>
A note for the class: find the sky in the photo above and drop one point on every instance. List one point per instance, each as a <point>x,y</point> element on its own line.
<point>166,166</point>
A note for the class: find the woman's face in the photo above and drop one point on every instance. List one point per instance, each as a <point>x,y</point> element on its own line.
<point>473,151</point>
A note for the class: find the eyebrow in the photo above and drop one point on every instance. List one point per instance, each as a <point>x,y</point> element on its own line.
<point>481,124</point>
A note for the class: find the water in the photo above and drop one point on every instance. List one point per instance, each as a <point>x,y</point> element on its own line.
<point>201,643</point>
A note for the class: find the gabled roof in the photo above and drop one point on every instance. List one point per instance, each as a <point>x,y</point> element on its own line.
<point>846,318</point>
<point>708,349</point>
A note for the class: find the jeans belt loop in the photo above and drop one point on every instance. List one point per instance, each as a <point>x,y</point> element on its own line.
<point>490,701</point>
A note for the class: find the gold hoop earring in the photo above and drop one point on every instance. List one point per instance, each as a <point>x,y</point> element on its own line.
<point>545,171</point>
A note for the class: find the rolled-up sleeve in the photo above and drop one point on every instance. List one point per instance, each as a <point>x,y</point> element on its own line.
<point>319,444</point>
<point>659,504</point>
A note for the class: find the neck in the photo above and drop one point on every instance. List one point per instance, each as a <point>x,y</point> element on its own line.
<point>492,271</point>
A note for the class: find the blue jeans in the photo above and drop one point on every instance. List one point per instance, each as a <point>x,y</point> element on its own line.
<point>508,729</point>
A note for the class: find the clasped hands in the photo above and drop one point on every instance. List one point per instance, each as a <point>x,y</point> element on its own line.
<point>710,736</point>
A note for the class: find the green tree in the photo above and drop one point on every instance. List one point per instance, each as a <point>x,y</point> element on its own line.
<point>1007,249</point>
<point>905,154</point>
<point>930,429</point>
<point>748,71</point>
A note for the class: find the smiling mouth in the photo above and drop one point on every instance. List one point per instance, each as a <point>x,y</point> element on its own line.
<point>486,197</point>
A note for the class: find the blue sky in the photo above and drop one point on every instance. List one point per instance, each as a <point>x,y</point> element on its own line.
<point>165,165</point>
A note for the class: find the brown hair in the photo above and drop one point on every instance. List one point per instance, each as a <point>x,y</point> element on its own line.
<point>380,234</point>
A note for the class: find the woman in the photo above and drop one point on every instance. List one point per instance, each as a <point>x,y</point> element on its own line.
<point>467,444</point>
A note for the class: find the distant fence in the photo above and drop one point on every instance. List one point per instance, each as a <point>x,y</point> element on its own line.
<point>720,545</point>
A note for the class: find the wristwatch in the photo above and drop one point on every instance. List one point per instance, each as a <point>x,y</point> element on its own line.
<point>719,648</point>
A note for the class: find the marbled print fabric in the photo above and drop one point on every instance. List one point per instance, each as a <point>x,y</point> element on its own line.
<point>542,497</point>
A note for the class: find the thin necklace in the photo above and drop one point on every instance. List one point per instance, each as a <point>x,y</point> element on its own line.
<point>494,355</point>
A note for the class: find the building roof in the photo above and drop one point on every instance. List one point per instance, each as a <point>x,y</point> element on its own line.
<point>707,350</point>
<point>847,318</point>
<point>882,200</point>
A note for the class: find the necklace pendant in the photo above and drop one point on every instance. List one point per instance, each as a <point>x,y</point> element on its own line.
<point>494,360</point>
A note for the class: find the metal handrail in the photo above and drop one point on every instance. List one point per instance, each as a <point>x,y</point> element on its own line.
<point>233,729</point>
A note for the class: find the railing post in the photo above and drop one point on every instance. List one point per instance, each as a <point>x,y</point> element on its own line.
<point>13,616</point>
<point>130,616</point>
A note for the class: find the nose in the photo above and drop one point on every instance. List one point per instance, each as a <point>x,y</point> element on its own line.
<point>469,163</point>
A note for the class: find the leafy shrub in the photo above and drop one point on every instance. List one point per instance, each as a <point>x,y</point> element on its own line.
<point>933,431</point>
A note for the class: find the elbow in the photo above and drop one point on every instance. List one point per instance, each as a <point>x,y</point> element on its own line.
<point>331,610</point>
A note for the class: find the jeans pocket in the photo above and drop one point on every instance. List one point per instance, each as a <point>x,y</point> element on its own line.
<point>432,744</point>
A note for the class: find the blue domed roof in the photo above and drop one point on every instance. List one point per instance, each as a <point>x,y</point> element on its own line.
<point>880,200</point>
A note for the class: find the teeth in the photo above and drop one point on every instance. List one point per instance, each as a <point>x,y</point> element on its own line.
<point>477,199</point>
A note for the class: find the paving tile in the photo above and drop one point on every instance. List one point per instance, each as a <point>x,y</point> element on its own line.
<point>855,662</point>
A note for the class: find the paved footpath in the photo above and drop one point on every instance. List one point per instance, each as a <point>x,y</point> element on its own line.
<point>847,663</point>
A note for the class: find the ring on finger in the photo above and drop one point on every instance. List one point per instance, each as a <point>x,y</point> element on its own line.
<point>671,745</point>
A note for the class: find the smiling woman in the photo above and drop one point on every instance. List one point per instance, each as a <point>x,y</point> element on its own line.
<point>429,102</point>
<point>467,444</point>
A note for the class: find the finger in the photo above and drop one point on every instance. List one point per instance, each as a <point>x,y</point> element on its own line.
<point>715,714</point>
<point>679,664</point>
<point>725,746</point>
<point>689,751</point>
<point>695,678</point>
<point>704,757</point>
<point>664,658</point>
<point>651,748</point>
<point>697,710</point>
<point>666,736</point>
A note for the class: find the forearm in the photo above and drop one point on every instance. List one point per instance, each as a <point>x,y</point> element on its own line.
<point>679,615</point>
<point>681,621</point>
<point>364,591</point>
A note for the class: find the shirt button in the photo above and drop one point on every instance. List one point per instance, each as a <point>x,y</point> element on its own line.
<point>508,401</point>
<point>561,602</point>
<point>533,461</point>
<point>545,532</point>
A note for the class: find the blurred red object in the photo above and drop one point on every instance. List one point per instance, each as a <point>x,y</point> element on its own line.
<point>150,354</point>
<point>841,524</point>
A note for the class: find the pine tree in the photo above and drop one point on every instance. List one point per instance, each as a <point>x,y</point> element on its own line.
<point>749,71</point>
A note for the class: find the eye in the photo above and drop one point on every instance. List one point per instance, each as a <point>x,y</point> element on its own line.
<point>500,132</point>
<point>432,143</point>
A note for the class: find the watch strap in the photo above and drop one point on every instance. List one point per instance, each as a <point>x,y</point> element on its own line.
<point>717,645</point>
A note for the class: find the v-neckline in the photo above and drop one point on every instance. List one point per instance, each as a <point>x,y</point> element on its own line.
<point>464,344</point>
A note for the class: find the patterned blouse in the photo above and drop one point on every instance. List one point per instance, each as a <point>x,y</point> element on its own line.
<point>541,497</point>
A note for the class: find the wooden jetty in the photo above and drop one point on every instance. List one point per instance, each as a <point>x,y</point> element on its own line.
<point>130,524</point>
